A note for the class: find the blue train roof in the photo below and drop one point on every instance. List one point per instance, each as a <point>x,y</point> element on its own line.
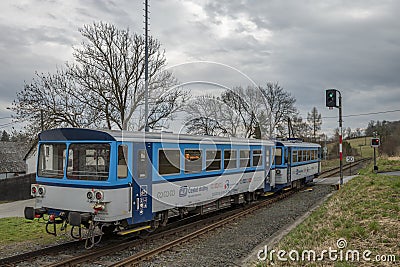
<point>80,134</point>
<point>297,144</point>
<point>61,134</point>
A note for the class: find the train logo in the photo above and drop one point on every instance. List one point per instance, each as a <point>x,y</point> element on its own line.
<point>183,191</point>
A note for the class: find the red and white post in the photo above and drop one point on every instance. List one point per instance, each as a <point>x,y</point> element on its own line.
<point>340,138</point>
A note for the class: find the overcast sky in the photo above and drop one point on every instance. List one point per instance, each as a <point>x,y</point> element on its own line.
<point>307,46</point>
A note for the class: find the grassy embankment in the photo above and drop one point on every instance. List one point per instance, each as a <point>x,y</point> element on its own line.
<point>365,212</point>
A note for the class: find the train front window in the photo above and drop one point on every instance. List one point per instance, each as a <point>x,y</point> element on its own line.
<point>88,162</point>
<point>51,160</point>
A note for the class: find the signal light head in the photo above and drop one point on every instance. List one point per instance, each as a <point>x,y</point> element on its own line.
<point>375,142</point>
<point>331,98</point>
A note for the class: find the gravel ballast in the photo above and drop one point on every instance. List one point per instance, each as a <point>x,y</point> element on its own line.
<point>228,246</point>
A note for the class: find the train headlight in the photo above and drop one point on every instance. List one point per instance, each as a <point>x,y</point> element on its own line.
<point>34,190</point>
<point>90,195</point>
<point>41,190</point>
<point>99,195</point>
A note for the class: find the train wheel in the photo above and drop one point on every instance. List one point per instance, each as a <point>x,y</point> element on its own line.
<point>108,229</point>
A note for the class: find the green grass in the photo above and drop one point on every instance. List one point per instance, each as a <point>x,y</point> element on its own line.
<point>362,145</point>
<point>15,230</point>
<point>365,212</point>
<point>388,165</point>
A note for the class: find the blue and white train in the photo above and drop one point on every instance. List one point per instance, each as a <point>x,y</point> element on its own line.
<point>130,181</point>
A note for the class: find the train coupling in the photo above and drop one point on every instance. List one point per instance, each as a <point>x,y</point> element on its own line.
<point>77,218</point>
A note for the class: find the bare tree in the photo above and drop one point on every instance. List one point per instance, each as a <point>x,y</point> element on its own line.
<point>206,116</point>
<point>110,66</point>
<point>246,112</point>
<point>48,102</point>
<point>245,103</point>
<point>104,87</point>
<point>300,128</point>
<point>5,136</point>
<point>348,132</point>
<point>279,105</point>
<point>314,119</point>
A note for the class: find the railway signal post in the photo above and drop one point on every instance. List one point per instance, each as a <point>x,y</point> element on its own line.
<point>375,142</point>
<point>331,102</point>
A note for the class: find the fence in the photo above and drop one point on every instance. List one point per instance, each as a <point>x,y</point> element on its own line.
<point>16,188</point>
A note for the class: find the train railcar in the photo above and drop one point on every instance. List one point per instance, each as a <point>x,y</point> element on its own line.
<point>295,163</point>
<point>127,181</point>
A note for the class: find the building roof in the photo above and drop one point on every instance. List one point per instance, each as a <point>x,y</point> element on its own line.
<point>12,157</point>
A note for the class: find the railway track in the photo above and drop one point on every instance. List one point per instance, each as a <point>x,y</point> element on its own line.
<point>172,236</point>
<point>336,170</point>
<point>145,255</point>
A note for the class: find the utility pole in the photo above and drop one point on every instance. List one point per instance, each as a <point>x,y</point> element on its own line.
<point>146,63</point>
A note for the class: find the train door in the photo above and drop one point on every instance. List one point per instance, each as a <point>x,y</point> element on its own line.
<point>142,184</point>
<point>288,161</point>
<point>267,169</point>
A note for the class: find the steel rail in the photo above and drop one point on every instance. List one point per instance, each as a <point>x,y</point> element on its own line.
<point>336,170</point>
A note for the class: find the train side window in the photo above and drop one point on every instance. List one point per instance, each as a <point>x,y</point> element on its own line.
<point>278,156</point>
<point>294,156</point>
<point>257,158</point>
<point>230,159</point>
<point>193,161</point>
<point>122,158</point>
<point>142,164</point>
<point>244,158</point>
<point>168,161</point>
<point>213,160</point>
